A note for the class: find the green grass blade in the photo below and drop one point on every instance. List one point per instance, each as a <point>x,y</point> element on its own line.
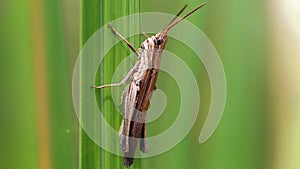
<point>95,14</point>
<point>63,132</point>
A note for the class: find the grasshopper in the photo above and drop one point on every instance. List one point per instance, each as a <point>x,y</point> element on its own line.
<point>136,97</point>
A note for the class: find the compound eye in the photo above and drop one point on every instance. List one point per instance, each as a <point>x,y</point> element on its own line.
<point>158,41</point>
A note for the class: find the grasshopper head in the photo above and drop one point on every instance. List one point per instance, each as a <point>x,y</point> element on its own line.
<point>160,38</point>
<point>157,41</point>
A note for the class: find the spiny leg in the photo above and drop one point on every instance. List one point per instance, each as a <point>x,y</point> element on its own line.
<point>143,144</point>
<point>129,114</point>
<point>122,136</point>
<point>123,81</point>
<point>125,40</point>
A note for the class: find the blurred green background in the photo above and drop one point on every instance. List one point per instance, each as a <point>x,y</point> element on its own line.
<point>258,42</point>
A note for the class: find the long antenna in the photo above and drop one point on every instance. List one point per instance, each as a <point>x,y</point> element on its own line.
<point>186,15</point>
<point>177,15</point>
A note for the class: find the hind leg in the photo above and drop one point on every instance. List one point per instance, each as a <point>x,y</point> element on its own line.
<point>122,137</point>
<point>143,144</point>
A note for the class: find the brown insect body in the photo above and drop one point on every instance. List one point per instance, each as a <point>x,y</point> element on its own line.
<point>138,96</point>
<point>139,91</point>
